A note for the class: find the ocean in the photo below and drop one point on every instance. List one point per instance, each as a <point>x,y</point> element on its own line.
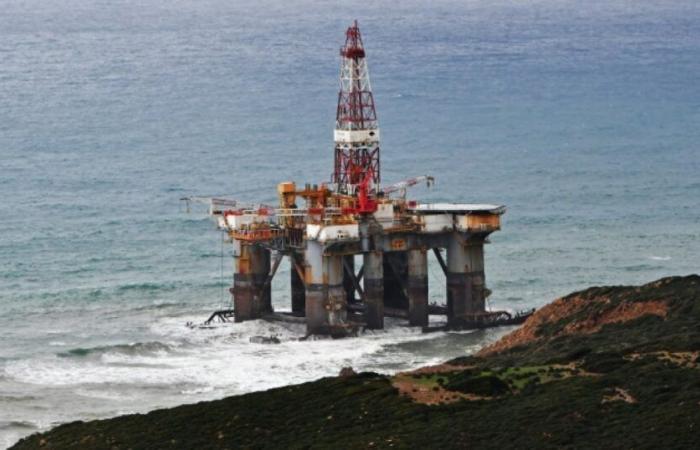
<point>582,117</point>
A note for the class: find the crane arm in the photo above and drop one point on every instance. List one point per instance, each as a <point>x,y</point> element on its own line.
<point>401,186</point>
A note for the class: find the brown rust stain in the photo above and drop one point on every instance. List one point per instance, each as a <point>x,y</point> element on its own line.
<point>482,222</point>
<point>308,275</point>
<point>244,264</point>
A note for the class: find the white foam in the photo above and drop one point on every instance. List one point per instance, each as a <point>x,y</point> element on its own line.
<point>223,358</point>
<point>660,258</point>
<point>203,364</point>
<point>102,394</point>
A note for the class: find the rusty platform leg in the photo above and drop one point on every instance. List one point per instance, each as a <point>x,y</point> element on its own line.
<point>251,299</point>
<point>297,284</point>
<point>418,288</point>
<point>396,280</point>
<point>326,308</point>
<point>374,289</point>
<point>465,279</point>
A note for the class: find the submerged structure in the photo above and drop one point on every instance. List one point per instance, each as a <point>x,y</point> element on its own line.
<point>322,228</point>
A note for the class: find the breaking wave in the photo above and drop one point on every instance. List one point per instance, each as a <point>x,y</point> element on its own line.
<point>17,424</point>
<point>137,349</point>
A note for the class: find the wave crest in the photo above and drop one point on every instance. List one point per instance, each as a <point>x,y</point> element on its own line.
<point>136,349</point>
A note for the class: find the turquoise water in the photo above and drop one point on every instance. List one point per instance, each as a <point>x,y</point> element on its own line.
<point>583,118</point>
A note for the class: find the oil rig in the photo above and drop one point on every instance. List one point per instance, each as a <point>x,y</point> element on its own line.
<point>322,228</point>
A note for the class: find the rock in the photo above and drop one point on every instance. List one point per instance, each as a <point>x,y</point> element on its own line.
<point>346,372</point>
<point>264,340</point>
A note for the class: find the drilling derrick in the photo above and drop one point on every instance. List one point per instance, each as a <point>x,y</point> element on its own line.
<point>356,133</point>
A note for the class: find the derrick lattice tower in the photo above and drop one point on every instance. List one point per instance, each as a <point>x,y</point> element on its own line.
<point>356,133</point>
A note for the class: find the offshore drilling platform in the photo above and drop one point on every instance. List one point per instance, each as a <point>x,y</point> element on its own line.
<point>322,228</point>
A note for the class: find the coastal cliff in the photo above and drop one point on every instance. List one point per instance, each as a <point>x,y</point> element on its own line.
<point>614,366</point>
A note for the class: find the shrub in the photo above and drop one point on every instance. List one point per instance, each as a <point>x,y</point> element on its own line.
<point>603,362</point>
<point>480,385</point>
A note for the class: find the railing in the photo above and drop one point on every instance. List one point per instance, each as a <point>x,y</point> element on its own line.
<point>265,234</point>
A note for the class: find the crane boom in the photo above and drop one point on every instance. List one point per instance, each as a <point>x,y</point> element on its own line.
<point>401,186</point>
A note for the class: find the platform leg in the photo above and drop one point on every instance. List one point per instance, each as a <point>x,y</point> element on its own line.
<point>297,285</point>
<point>251,299</point>
<point>374,289</point>
<point>418,288</point>
<point>465,279</point>
<point>326,307</point>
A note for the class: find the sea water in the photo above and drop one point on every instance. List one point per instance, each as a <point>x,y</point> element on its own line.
<point>582,117</point>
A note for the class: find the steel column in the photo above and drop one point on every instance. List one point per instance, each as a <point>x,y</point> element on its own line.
<point>298,290</point>
<point>465,279</point>
<point>326,306</point>
<point>418,287</point>
<point>251,294</point>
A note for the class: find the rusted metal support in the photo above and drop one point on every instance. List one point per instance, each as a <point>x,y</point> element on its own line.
<point>222,315</point>
<point>270,276</point>
<point>418,287</point>
<point>326,306</point>
<point>374,289</point>
<point>251,292</point>
<point>396,280</point>
<point>348,275</point>
<point>440,260</point>
<point>349,272</point>
<point>465,280</point>
<point>298,290</point>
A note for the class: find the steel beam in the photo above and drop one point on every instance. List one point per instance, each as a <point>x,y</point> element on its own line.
<point>440,260</point>
<point>348,275</point>
<point>349,272</point>
<point>374,289</point>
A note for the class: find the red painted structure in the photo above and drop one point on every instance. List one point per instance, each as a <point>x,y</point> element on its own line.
<point>357,129</point>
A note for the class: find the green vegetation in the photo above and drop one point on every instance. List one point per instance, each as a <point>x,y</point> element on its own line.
<point>481,385</point>
<point>487,382</point>
<point>633,384</point>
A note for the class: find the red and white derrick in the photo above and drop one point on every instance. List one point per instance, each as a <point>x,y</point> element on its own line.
<point>356,133</point>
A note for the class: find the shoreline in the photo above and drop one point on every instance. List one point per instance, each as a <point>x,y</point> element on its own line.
<point>586,344</point>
